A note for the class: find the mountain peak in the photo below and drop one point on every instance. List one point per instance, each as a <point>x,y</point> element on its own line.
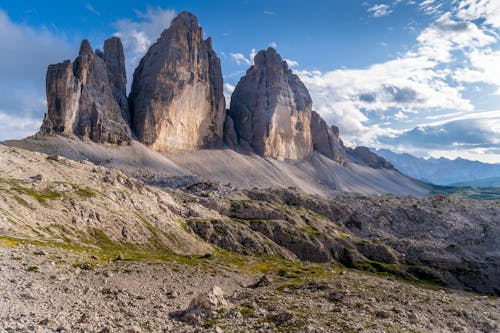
<point>85,48</point>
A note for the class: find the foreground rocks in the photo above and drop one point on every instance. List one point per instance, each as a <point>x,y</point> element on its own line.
<point>135,296</point>
<point>177,99</point>
<point>271,110</point>
<point>86,98</point>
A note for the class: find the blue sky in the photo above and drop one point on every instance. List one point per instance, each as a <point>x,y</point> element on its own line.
<point>415,76</point>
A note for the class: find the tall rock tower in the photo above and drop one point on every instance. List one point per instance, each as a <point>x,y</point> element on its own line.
<point>177,100</point>
<point>271,110</point>
<point>82,99</point>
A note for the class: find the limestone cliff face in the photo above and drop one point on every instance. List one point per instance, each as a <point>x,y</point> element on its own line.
<point>326,140</point>
<point>81,100</point>
<point>177,100</point>
<point>271,109</point>
<point>115,61</point>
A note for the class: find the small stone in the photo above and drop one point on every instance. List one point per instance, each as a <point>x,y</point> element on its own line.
<point>263,281</point>
<point>383,314</point>
<point>49,323</point>
<point>40,253</point>
<point>283,317</point>
<point>172,294</point>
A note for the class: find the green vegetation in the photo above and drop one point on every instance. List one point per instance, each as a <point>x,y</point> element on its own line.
<point>32,269</point>
<point>85,192</point>
<point>247,310</point>
<point>479,193</point>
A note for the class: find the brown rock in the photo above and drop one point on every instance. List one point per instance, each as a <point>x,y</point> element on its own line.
<point>177,100</point>
<point>326,139</point>
<point>81,102</point>
<point>271,109</point>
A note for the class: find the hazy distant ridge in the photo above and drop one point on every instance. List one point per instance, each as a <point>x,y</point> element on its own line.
<point>443,171</point>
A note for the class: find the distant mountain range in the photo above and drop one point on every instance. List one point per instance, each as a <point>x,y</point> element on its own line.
<point>443,171</point>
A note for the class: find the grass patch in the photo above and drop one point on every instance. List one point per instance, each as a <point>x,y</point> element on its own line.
<point>85,192</point>
<point>32,269</point>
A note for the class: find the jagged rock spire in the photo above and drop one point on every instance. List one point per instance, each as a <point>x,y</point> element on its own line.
<point>177,100</point>
<point>271,109</point>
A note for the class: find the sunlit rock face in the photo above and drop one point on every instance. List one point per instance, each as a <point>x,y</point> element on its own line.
<point>177,100</point>
<point>271,110</point>
<point>82,99</point>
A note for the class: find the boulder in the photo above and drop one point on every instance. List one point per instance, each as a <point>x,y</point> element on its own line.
<point>205,305</point>
<point>271,109</point>
<point>81,101</point>
<point>177,100</point>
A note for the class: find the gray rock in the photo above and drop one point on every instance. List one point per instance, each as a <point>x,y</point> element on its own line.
<point>81,99</point>
<point>326,139</point>
<point>177,100</point>
<point>115,61</point>
<point>271,109</point>
<point>365,156</point>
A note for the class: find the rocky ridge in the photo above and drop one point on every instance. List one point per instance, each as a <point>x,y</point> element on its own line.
<point>86,98</point>
<point>177,103</point>
<point>326,140</point>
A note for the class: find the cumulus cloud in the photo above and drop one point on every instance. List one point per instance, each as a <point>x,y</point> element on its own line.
<point>484,67</point>
<point>22,80</point>
<point>291,63</point>
<point>374,103</point>
<point>470,136</point>
<point>240,59</point>
<point>139,33</point>
<point>379,10</point>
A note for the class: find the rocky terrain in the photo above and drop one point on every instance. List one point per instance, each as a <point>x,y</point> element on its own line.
<point>102,252</point>
<point>252,219</point>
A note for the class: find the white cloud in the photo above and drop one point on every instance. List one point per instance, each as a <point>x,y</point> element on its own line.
<point>269,12</point>
<point>291,63</point>
<point>228,90</point>
<point>489,10</point>
<point>379,10</point>
<point>24,58</point>
<point>427,80</point>
<point>240,59</point>
<point>91,9</point>
<point>15,127</point>
<point>485,68</point>
<point>446,35</point>
<point>472,136</point>
<point>138,34</point>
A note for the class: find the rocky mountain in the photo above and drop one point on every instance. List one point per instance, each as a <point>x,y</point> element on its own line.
<point>326,140</point>
<point>443,171</point>
<point>271,110</point>
<point>365,156</point>
<point>86,98</point>
<point>177,100</point>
